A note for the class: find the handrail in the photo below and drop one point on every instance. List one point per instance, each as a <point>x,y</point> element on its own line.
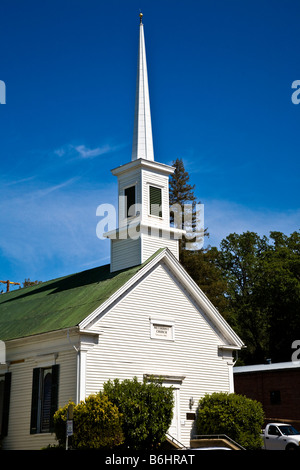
<point>218,436</point>
<point>175,441</point>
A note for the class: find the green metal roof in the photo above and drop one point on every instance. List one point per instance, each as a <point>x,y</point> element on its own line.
<point>60,303</point>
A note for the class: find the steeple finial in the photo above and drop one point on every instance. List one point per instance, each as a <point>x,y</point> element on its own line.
<point>142,146</point>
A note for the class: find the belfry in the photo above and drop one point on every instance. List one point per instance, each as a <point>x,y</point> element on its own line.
<point>143,188</point>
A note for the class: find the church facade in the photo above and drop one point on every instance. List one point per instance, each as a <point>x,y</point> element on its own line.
<point>141,316</point>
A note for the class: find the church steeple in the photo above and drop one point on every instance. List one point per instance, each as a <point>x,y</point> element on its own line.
<point>142,146</point>
<point>143,186</point>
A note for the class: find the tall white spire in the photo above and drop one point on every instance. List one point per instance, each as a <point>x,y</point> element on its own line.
<point>142,146</point>
<point>143,187</point>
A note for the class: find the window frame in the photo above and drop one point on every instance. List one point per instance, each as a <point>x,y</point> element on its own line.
<point>38,400</point>
<point>273,430</point>
<point>5,402</point>
<point>162,323</point>
<point>126,206</point>
<point>151,204</point>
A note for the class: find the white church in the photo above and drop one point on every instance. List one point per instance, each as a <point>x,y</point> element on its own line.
<point>142,315</point>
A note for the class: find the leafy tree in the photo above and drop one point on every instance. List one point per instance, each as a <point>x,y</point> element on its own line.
<point>238,417</point>
<point>263,292</point>
<point>240,260</point>
<point>202,268</point>
<point>28,282</point>
<point>147,409</point>
<point>97,424</point>
<point>280,293</point>
<point>254,281</point>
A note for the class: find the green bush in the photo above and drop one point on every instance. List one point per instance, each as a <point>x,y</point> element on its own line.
<point>147,409</point>
<point>97,424</point>
<point>238,417</point>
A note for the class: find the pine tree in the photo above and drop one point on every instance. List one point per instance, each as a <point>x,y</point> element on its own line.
<point>180,190</point>
<point>200,262</point>
<point>183,205</point>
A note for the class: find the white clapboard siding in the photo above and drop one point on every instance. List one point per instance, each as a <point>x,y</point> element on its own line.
<point>152,243</point>
<point>126,349</point>
<point>162,181</point>
<point>125,253</point>
<point>19,437</point>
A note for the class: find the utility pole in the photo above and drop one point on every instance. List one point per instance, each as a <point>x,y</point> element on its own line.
<point>8,284</point>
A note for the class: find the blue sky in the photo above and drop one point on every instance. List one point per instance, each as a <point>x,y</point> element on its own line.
<point>220,77</point>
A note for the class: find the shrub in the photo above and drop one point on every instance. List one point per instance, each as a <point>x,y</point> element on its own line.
<point>238,417</point>
<point>147,410</point>
<point>97,424</point>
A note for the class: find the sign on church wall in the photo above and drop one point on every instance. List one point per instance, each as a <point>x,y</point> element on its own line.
<point>162,330</point>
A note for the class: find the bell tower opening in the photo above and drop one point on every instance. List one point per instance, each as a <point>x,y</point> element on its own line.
<point>130,201</point>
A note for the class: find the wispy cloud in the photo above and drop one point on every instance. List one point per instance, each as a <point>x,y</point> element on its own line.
<point>48,212</point>
<point>55,187</point>
<point>84,152</point>
<point>50,230</point>
<point>18,181</point>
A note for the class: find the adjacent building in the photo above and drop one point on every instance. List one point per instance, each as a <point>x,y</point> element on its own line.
<point>276,386</point>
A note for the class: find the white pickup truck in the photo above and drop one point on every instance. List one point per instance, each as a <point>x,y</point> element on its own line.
<point>280,436</point>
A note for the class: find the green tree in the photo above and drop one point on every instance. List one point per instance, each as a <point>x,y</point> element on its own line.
<point>180,190</point>
<point>200,262</point>
<point>263,292</point>
<point>280,293</point>
<point>240,258</point>
<point>147,409</point>
<point>183,203</point>
<point>202,268</point>
<point>97,424</point>
<point>28,283</point>
<point>238,417</point>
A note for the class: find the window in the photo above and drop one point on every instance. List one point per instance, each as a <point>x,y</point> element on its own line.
<point>288,430</point>
<point>155,201</point>
<point>5,383</point>
<point>129,194</point>
<point>44,401</point>
<point>274,431</point>
<point>275,397</point>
